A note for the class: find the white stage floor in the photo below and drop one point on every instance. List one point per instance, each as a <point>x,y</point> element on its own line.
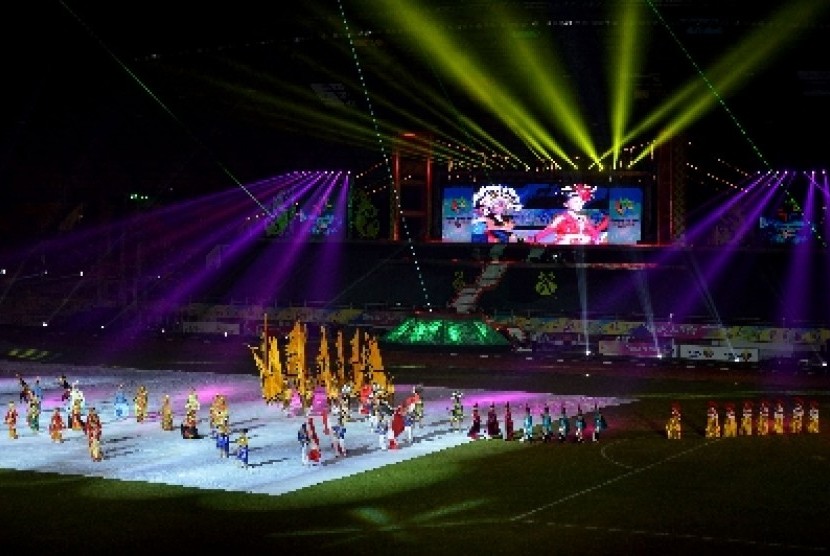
<point>144,452</point>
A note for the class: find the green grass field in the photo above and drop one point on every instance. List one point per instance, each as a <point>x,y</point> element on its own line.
<point>634,492</point>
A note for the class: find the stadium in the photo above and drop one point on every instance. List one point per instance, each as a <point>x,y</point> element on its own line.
<point>589,205</point>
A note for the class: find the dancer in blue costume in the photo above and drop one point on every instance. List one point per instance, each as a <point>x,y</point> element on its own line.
<point>547,425</point>
<point>527,432</point>
<point>121,405</point>
<point>564,425</point>
<point>599,424</point>
<point>242,449</point>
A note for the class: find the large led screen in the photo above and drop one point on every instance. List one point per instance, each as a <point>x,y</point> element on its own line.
<point>784,224</point>
<point>542,213</point>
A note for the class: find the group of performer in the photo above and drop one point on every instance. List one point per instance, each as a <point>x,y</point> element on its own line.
<point>393,426</point>
<point>91,426</point>
<point>769,419</point>
<point>529,431</point>
<point>86,420</point>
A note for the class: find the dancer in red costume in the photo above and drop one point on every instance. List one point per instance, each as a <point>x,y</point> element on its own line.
<point>313,444</point>
<point>396,428</point>
<point>93,435</point>
<point>493,429</point>
<point>574,226</point>
<point>56,426</point>
<point>508,422</point>
<point>475,428</point>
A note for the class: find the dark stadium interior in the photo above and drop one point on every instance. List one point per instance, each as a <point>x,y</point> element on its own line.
<point>174,103</point>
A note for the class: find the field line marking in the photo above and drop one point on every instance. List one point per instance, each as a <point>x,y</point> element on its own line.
<point>608,482</point>
<point>606,458</point>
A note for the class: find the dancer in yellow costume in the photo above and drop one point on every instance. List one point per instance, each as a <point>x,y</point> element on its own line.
<point>76,419</point>
<point>141,400</point>
<point>218,413</point>
<point>673,426</point>
<point>797,421</point>
<point>746,419</point>
<point>812,418</point>
<point>778,418</point>
<point>763,418</point>
<point>712,421</point>
<point>730,421</point>
<point>166,414</point>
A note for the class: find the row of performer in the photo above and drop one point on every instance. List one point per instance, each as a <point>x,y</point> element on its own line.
<point>770,419</point>
<point>546,430</point>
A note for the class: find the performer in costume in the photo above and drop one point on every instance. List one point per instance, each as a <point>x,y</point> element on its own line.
<point>527,425</point>
<point>121,406</point>
<point>778,418</point>
<point>314,454</point>
<point>189,426</point>
<point>812,419</point>
<point>345,402</point>
<point>418,410</point>
<point>365,397</point>
<point>141,400</point>
<point>37,390</point>
<point>396,428</point>
<point>33,413</point>
<point>746,419</point>
<point>797,420</point>
<point>192,405</point>
<point>166,413</point>
<point>76,419</point>
<point>213,420</point>
<point>492,427</point>
<point>25,391</point>
<point>382,430</point>
<point>547,424</point>
<point>217,413</point>
<point>304,439</point>
<point>457,411</point>
<point>496,205</point>
<point>93,434</point>
<point>66,387</point>
<point>408,424</point>
<point>223,438</point>
<point>338,438</point>
<point>374,411</point>
<point>508,422</point>
<point>763,418</point>
<point>475,428</point>
<point>599,424</point>
<point>712,421</point>
<point>730,421</point>
<point>574,226</point>
<point>674,429</point>
<point>56,426</point>
<point>324,413</point>
<point>242,449</point>
<point>580,425</point>
<point>191,418</point>
<point>563,426</point>
<point>11,420</point>
<point>76,395</point>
